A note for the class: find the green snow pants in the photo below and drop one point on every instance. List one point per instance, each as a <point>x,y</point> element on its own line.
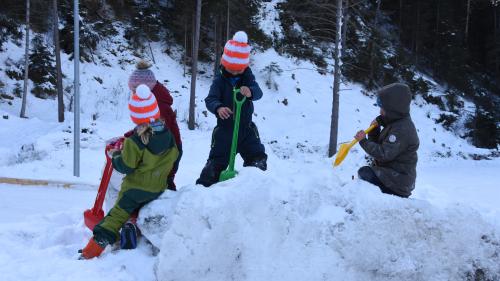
<point>128,201</point>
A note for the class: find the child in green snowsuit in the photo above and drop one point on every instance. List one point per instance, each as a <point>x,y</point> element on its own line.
<point>147,158</point>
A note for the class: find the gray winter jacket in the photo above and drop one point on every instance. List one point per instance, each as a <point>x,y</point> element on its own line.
<point>395,147</point>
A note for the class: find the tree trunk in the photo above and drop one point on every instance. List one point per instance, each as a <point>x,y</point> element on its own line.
<point>467,22</point>
<point>26,60</point>
<point>185,47</point>
<point>495,40</point>
<point>194,70</point>
<point>228,35</point>
<point>400,20</point>
<point>437,37</point>
<point>345,22</point>
<point>417,33</point>
<point>372,45</point>
<point>438,17</point>
<point>217,45</point>
<point>57,49</point>
<point>334,122</point>
<point>151,52</point>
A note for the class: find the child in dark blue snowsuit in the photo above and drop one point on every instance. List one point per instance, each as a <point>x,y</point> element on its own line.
<point>249,145</point>
<point>234,74</point>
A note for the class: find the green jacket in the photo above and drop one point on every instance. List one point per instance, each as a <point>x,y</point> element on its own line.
<point>146,166</point>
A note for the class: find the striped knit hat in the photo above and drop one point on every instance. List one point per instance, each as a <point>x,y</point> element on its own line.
<point>142,75</point>
<point>236,55</point>
<point>143,106</point>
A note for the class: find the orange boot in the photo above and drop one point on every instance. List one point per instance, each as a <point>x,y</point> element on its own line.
<point>92,250</point>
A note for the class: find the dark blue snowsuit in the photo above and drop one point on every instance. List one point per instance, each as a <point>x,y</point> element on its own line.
<point>249,145</point>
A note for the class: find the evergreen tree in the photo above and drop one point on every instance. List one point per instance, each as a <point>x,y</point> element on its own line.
<point>42,69</point>
<point>145,23</point>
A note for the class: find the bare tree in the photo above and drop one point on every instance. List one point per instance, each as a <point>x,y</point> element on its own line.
<point>217,40</point>
<point>495,36</point>
<point>185,47</point>
<point>417,35</point>
<point>371,44</point>
<point>467,21</point>
<point>227,22</point>
<point>345,22</point>
<point>438,16</point>
<point>400,18</point>
<point>26,60</point>
<point>194,68</point>
<point>334,122</point>
<point>57,49</point>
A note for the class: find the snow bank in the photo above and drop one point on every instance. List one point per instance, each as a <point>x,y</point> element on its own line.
<point>263,226</point>
<point>41,231</point>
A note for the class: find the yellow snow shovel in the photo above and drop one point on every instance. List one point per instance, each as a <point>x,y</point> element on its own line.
<point>345,147</point>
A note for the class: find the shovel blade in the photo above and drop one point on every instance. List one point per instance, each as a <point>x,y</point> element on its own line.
<point>92,218</point>
<point>227,175</point>
<point>341,154</point>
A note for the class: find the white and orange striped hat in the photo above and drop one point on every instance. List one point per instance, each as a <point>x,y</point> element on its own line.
<point>236,55</point>
<point>143,106</point>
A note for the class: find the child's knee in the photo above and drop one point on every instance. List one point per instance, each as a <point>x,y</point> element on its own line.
<point>366,173</point>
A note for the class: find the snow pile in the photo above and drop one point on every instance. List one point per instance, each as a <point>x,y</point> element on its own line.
<point>284,225</point>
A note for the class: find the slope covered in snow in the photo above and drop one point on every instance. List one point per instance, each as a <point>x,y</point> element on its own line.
<point>299,220</point>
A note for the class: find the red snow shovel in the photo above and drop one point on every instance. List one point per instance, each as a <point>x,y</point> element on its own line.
<point>96,214</point>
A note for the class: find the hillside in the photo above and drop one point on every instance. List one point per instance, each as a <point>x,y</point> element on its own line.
<point>301,214</point>
<point>416,42</point>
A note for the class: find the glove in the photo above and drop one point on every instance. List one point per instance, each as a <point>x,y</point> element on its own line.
<point>380,120</point>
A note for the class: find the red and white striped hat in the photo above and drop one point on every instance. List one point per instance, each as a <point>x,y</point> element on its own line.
<point>236,55</point>
<point>143,106</point>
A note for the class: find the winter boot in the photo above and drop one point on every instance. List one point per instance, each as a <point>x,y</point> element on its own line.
<point>128,236</point>
<point>258,162</point>
<point>210,174</point>
<point>93,249</point>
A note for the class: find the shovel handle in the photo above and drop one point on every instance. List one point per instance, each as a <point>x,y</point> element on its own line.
<point>113,144</point>
<point>235,96</point>
<point>367,131</point>
<point>103,186</point>
<point>236,129</point>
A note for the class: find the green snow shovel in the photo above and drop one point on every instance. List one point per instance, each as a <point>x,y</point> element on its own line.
<point>230,173</point>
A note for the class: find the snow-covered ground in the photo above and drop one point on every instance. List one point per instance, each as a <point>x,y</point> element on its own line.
<point>300,220</point>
